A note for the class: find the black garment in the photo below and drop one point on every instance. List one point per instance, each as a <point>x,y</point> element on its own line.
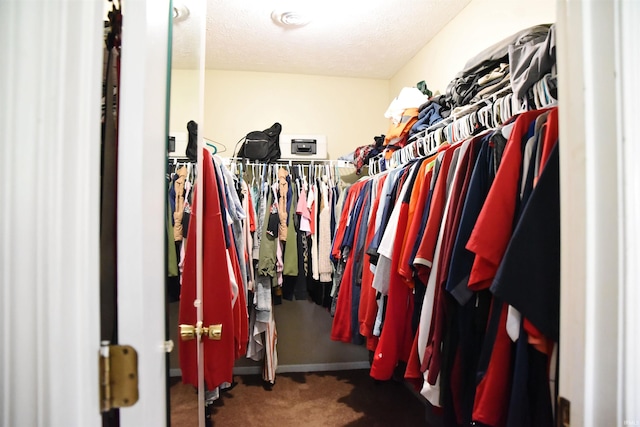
<point>529,276</point>
<point>493,324</point>
<point>186,216</point>
<point>274,222</point>
<point>530,403</point>
<point>461,259</point>
<point>173,282</point>
<point>471,322</point>
<point>296,286</point>
<point>108,197</point>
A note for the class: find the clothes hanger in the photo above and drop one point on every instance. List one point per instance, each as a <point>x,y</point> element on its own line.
<point>400,158</point>
<point>215,149</point>
<point>508,103</point>
<point>429,142</point>
<point>447,132</point>
<point>455,129</point>
<point>438,138</point>
<point>372,166</point>
<point>466,128</point>
<point>496,113</point>
<point>419,146</point>
<point>545,93</point>
<point>408,155</point>
<point>210,142</point>
<point>424,145</point>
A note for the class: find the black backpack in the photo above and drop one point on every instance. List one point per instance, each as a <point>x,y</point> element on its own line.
<point>262,146</point>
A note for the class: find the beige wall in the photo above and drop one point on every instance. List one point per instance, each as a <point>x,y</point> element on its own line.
<point>185,87</point>
<point>350,112</point>
<point>481,24</point>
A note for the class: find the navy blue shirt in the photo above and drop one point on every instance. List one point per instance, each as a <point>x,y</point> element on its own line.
<point>462,259</point>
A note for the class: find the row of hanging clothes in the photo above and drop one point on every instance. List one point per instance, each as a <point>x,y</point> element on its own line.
<point>180,179</point>
<point>295,209</point>
<point>450,253</point>
<point>451,273</point>
<point>297,204</point>
<point>266,236</point>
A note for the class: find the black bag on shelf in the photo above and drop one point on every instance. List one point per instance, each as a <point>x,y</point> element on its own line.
<point>192,143</point>
<point>262,146</point>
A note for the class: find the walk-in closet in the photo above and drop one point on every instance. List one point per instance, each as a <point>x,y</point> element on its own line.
<point>376,213</point>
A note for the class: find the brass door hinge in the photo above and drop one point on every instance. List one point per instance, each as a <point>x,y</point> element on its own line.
<point>564,412</point>
<point>118,376</point>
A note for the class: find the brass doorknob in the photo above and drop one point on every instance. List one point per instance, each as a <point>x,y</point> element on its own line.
<point>215,332</point>
<point>189,332</point>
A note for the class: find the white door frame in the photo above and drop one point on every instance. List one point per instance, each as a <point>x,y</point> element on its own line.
<point>142,190</point>
<point>600,181</point>
<point>627,18</point>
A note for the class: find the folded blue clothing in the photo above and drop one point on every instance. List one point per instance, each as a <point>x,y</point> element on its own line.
<point>427,117</point>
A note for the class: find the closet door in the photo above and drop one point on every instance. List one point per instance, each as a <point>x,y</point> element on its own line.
<point>50,156</point>
<point>142,137</point>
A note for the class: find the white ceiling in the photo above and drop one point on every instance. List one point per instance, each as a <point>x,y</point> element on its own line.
<point>348,38</point>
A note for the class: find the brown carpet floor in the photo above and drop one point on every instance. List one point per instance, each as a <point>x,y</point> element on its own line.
<point>332,399</point>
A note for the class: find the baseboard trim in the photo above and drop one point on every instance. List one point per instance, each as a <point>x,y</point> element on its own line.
<point>321,367</point>
<point>312,367</point>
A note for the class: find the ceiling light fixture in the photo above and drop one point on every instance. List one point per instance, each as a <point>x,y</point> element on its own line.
<point>290,18</point>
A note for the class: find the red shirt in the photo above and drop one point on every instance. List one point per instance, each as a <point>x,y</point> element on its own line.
<point>491,402</point>
<point>424,256</point>
<point>491,234</point>
<point>421,193</point>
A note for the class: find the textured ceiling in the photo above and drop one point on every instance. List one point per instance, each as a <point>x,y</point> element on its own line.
<point>349,38</point>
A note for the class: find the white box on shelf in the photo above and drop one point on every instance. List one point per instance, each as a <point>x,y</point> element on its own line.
<point>181,140</point>
<point>303,147</point>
